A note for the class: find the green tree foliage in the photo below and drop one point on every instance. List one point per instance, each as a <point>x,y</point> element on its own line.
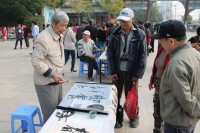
<point>112,7</point>
<point>39,19</point>
<point>139,15</point>
<point>189,18</point>
<point>155,15</point>
<point>15,11</point>
<point>80,6</point>
<point>55,3</point>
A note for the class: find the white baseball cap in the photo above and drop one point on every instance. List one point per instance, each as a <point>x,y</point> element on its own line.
<point>126,14</point>
<point>86,32</point>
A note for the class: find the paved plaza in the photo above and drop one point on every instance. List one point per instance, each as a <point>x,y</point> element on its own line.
<point>17,88</point>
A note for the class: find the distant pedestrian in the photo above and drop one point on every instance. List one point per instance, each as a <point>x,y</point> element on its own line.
<point>141,25</point>
<point>148,38</point>
<point>35,30</point>
<point>195,40</point>
<point>80,31</point>
<point>69,46</point>
<point>76,28</point>
<point>19,36</point>
<point>4,33</point>
<point>151,28</point>
<point>92,29</point>
<point>27,32</point>
<point>179,87</point>
<point>110,28</point>
<point>101,35</point>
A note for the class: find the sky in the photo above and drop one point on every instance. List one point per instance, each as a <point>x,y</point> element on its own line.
<point>178,11</point>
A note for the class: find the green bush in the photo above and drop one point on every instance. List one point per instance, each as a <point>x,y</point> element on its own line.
<point>39,19</point>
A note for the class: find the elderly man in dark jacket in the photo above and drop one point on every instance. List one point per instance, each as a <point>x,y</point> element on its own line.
<point>127,53</point>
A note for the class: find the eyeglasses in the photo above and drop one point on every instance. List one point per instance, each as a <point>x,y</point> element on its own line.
<point>64,113</point>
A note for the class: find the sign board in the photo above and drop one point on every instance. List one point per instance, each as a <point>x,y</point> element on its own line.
<point>91,96</point>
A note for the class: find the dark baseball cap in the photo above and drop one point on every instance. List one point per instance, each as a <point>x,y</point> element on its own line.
<point>170,29</point>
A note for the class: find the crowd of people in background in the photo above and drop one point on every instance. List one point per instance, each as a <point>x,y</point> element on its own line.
<point>128,44</point>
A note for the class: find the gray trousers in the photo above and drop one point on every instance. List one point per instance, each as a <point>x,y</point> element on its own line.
<point>49,97</point>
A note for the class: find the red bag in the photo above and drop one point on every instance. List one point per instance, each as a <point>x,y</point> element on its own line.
<point>131,103</point>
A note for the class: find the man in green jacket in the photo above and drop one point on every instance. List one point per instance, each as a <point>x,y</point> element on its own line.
<point>179,88</point>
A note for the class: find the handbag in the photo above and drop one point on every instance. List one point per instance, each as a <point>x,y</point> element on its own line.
<point>131,103</point>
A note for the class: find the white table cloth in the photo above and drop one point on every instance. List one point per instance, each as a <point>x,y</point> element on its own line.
<point>103,94</point>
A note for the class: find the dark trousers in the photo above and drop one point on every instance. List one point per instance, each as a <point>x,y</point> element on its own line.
<point>92,64</point>
<point>26,39</point>
<point>152,45</point>
<point>123,82</point>
<point>156,103</point>
<point>17,43</point>
<point>67,54</point>
<point>174,129</point>
<point>148,43</point>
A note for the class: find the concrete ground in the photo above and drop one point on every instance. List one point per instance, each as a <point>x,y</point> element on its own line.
<point>16,87</point>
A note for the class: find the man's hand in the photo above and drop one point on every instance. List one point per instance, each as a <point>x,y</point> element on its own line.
<point>151,86</point>
<point>114,77</point>
<point>58,79</point>
<point>91,56</point>
<point>135,79</point>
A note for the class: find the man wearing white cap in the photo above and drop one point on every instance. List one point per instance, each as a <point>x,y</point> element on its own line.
<point>86,47</point>
<point>126,55</point>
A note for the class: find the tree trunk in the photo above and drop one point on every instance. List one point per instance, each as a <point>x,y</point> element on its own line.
<point>186,11</point>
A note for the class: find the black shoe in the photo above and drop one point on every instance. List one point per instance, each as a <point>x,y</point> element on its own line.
<point>118,125</point>
<point>15,48</point>
<point>91,78</point>
<point>73,70</point>
<point>134,123</point>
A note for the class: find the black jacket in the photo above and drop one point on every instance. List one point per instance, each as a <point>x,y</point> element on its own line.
<point>101,35</point>
<point>93,32</point>
<point>137,54</point>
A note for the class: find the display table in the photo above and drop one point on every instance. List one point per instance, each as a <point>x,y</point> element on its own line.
<point>102,58</point>
<point>80,99</point>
